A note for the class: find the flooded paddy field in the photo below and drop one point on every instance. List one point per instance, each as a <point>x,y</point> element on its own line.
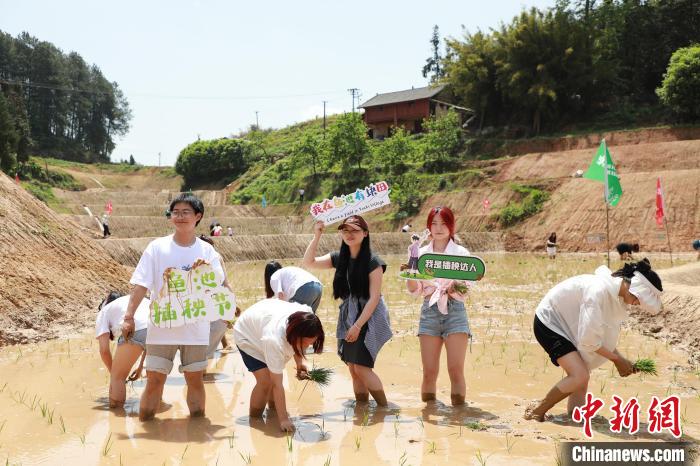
<point>53,395</point>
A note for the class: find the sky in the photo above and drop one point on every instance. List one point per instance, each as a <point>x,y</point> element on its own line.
<point>203,68</point>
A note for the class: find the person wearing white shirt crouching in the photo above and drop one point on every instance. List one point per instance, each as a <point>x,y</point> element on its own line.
<point>268,334</point>
<point>108,324</point>
<point>578,324</point>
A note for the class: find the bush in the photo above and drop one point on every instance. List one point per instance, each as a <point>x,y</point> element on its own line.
<point>679,89</point>
<point>205,161</point>
<point>531,202</point>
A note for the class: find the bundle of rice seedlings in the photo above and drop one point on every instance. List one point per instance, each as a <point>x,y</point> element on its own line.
<point>645,366</point>
<point>460,287</point>
<point>321,376</point>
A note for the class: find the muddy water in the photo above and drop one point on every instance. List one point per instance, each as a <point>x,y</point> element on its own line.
<point>53,399</point>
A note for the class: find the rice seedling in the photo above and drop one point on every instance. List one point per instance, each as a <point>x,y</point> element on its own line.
<point>480,458</point>
<point>476,425</point>
<point>3,387</point>
<point>510,442</point>
<point>432,447</point>
<point>33,405</point>
<point>420,422</point>
<point>328,461</point>
<point>396,428</point>
<point>82,438</point>
<point>230,441</point>
<point>246,458</point>
<point>646,366</point>
<point>365,419</point>
<point>108,445</point>
<point>44,407</point>
<point>290,444</point>
<point>49,416</point>
<point>63,424</point>
<point>2,426</point>
<point>182,457</point>
<point>602,386</point>
<point>321,376</point>
<point>358,442</point>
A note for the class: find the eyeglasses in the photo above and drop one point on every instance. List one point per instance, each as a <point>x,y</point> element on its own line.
<point>182,213</point>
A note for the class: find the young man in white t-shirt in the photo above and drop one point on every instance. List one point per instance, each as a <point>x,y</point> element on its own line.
<point>180,251</point>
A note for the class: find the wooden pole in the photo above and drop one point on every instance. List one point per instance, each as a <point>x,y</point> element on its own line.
<point>668,239</point>
<point>607,229</point>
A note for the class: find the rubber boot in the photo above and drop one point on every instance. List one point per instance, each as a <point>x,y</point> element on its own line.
<point>426,396</point>
<point>379,397</point>
<point>457,399</point>
<point>537,411</point>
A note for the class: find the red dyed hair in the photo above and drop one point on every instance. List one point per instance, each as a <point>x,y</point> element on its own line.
<point>304,324</point>
<point>446,215</point>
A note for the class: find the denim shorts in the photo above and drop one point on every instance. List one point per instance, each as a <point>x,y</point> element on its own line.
<point>250,362</point>
<point>309,294</point>
<point>138,338</point>
<point>436,324</point>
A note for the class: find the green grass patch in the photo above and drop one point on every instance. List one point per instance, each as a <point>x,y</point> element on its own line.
<point>531,201</point>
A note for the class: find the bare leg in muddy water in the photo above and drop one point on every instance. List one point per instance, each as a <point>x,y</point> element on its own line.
<point>196,396</point>
<point>261,392</point>
<point>358,385</point>
<point>155,382</point>
<point>364,380</point>
<point>576,381</point>
<point>456,348</point>
<point>124,359</point>
<point>430,348</point>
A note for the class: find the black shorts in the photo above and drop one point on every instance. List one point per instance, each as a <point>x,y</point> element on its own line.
<point>356,352</point>
<point>554,344</point>
<point>250,362</point>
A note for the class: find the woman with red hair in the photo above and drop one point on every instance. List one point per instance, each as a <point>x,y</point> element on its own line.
<point>443,317</point>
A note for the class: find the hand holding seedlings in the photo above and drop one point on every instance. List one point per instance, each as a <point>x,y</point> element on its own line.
<point>645,366</point>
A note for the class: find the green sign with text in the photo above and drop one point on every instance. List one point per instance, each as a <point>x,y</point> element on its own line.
<point>470,268</point>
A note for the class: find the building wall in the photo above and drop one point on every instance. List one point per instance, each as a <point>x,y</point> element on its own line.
<point>416,110</point>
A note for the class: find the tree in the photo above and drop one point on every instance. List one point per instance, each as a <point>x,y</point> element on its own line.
<point>219,159</point>
<point>433,64</point>
<point>347,143</point>
<point>8,137</point>
<point>442,141</point>
<point>679,89</point>
<point>395,152</point>
<point>307,151</point>
<point>131,160</point>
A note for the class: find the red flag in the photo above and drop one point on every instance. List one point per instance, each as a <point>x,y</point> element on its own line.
<point>660,209</point>
<point>108,207</point>
<point>17,178</point>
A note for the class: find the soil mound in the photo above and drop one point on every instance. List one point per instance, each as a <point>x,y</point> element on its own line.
<point>52,275</point>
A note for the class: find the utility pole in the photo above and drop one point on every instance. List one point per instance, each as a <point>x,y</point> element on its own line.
<point>159,159</point>
<point>257,124</point>
<point>324,119</point>
<point>354,92</point>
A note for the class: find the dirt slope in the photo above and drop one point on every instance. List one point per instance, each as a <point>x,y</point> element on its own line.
<point>52,275</point>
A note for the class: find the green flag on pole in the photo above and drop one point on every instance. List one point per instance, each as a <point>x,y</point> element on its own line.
<point>597,171</point>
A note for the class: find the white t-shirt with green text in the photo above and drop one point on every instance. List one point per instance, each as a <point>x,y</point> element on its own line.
<point>163,253</point>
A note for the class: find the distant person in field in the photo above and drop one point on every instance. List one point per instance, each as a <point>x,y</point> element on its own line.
<point>292,284</point>
<point>180,251</point>
<point>110,317</point>
<point>406,228</point>
<point>696,246</point>
<point>552,246</point>
<point>301,195</point>
<point>105,226</point>
<point>229,231</point>
<point>443,315</point>
<point>578,323</point>
<point>627,250</point>
<point>218,229</point>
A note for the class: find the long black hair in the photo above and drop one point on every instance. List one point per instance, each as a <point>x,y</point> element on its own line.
<point>643,267</point>
<point>270,268</point>
<point>359,278</point>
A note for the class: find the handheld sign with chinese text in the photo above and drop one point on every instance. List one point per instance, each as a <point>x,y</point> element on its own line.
<point>334,210</point>
<point>192,296</point>
<point>434,265</point>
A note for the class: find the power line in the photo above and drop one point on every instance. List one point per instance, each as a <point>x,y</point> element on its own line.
<point>354,91</point>
<point>52,87</point>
